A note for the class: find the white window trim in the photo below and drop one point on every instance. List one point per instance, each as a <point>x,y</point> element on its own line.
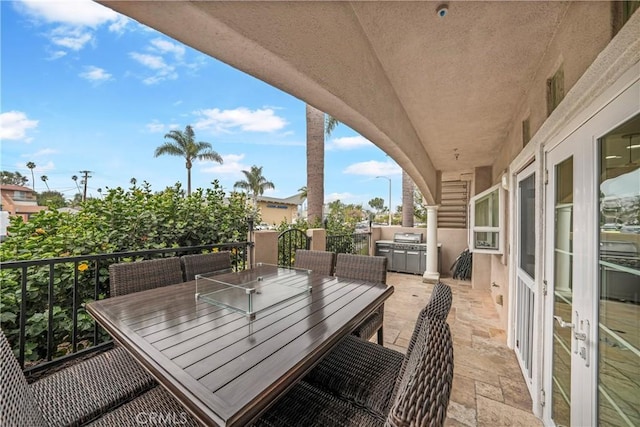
<point>500,229</point>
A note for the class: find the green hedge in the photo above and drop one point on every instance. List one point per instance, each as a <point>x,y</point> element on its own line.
<point>123,220</point>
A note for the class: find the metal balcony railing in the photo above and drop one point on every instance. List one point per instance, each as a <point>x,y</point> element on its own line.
<point>48,320</point>
<point>357,243</point>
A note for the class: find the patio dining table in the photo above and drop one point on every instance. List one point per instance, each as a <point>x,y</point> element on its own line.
<point>227,364</point>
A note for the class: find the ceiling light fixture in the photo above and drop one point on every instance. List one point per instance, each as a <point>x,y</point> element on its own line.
<point>442,10</point>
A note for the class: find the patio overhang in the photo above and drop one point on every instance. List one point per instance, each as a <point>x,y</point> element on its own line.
<point>435,93</point>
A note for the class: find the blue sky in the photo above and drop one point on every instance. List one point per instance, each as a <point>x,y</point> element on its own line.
<point>84,88</point>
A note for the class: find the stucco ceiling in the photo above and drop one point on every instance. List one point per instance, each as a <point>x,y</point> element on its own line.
<point>421,87</point>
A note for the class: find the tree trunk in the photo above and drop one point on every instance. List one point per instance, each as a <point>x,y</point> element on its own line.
<point>315,164</point>
<point>407,200</point>
<point>188,179</point>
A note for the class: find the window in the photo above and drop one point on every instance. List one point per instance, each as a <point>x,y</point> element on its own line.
<point>487,221</point>
<point>20,195</point>
<point>555,90</point>
<point>526,132</point>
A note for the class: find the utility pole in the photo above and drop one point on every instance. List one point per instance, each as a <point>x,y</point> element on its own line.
<point>84,180</point>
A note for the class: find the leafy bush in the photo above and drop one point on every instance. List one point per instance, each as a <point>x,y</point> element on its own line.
<point>124,220</point>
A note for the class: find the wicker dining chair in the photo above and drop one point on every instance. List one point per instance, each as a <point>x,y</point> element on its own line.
<point>371,269</point>
<point>219,262</point>
<point>421,399</point>
<point>74,395</point>
<point>129,277</point>
<point>367,374</point>
<point>320,262</point>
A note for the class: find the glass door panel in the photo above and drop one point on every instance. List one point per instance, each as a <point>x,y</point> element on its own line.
<point>526,299</point>
<point>619,264</point>
<point>563,288</point>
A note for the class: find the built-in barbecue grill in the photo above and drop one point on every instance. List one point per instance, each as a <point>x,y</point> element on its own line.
<point>405,253</point>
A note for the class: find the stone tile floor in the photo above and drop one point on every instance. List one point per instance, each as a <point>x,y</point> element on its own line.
<point>488,386</point>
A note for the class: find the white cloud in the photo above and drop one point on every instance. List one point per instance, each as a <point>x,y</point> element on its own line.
<point>262,120</point>
<point>85,13</point>
<point>373,168</point>
<point>14,125</point>
<point>338,196</point>
<point>119,24</point>
<point>165,46</point>
<point>73,38</point>
<point>56,55</point>
<point>74,21</point>
<point>95,74</point>
<point>349,143</point>
<point>232,165</point>
<point>154,62</point>
<point>163,71</point>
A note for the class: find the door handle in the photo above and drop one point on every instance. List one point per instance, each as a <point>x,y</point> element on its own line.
<point>564,324</point>
<point>580,349</point>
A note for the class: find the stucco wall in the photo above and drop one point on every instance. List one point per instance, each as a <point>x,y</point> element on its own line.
<point>454,241</point>
<point>585,31</point>
<point>275,216</point>
<point>265,247</point>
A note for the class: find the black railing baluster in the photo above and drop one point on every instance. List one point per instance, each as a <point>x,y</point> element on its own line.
<point>78,297</point>
<point>74,314</point>
<point>23,316</point>
<point>50,317</point>
<point>96,294</point>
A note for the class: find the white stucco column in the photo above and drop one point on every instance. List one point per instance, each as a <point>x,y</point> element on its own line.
<point>432,275</point>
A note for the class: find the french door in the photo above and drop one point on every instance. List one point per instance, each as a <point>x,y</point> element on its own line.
<point>591,368</point>
<point>569,334</point>
<point>526,298</point>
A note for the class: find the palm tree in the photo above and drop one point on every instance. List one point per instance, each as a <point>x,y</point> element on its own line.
<point>318,124</point>
<point>254,184</point>
<point>330,123</point>
<point>75,179</point>
<point>315,164</point>
<point>44,179</point>
<point>407,200</point>
<point>32,166</point>
<point>184,144</point>
<point>303,192</point>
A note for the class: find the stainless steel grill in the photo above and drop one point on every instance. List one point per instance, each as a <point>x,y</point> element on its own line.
<point>405,253</point>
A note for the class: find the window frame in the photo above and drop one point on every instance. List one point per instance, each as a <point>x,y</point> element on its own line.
<point>499,229</point>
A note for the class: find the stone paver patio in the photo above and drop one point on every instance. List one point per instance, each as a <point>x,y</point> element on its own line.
<point>488,386</point>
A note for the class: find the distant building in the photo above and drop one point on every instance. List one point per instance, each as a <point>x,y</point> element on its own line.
<point>19,200</point>
<point>273,210</point>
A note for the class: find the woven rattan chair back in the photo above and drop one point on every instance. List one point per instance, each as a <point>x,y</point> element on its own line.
<point>438,307</point>
<point>18,406</point>
<point>439,304</point>
<point>425,386</point>
<point>362,267</point>
<point>205,263</point>
<point>129,277</point>
<point>320,262</point>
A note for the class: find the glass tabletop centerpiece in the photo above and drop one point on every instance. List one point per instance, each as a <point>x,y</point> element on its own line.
<point>254,290</point>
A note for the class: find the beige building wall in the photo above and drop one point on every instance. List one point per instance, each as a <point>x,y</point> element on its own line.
<point>265,247</point>
<point>274,213</point>
<point>581,37</point>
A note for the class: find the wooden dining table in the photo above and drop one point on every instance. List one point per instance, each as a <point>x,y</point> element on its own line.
<point>225,365</point>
